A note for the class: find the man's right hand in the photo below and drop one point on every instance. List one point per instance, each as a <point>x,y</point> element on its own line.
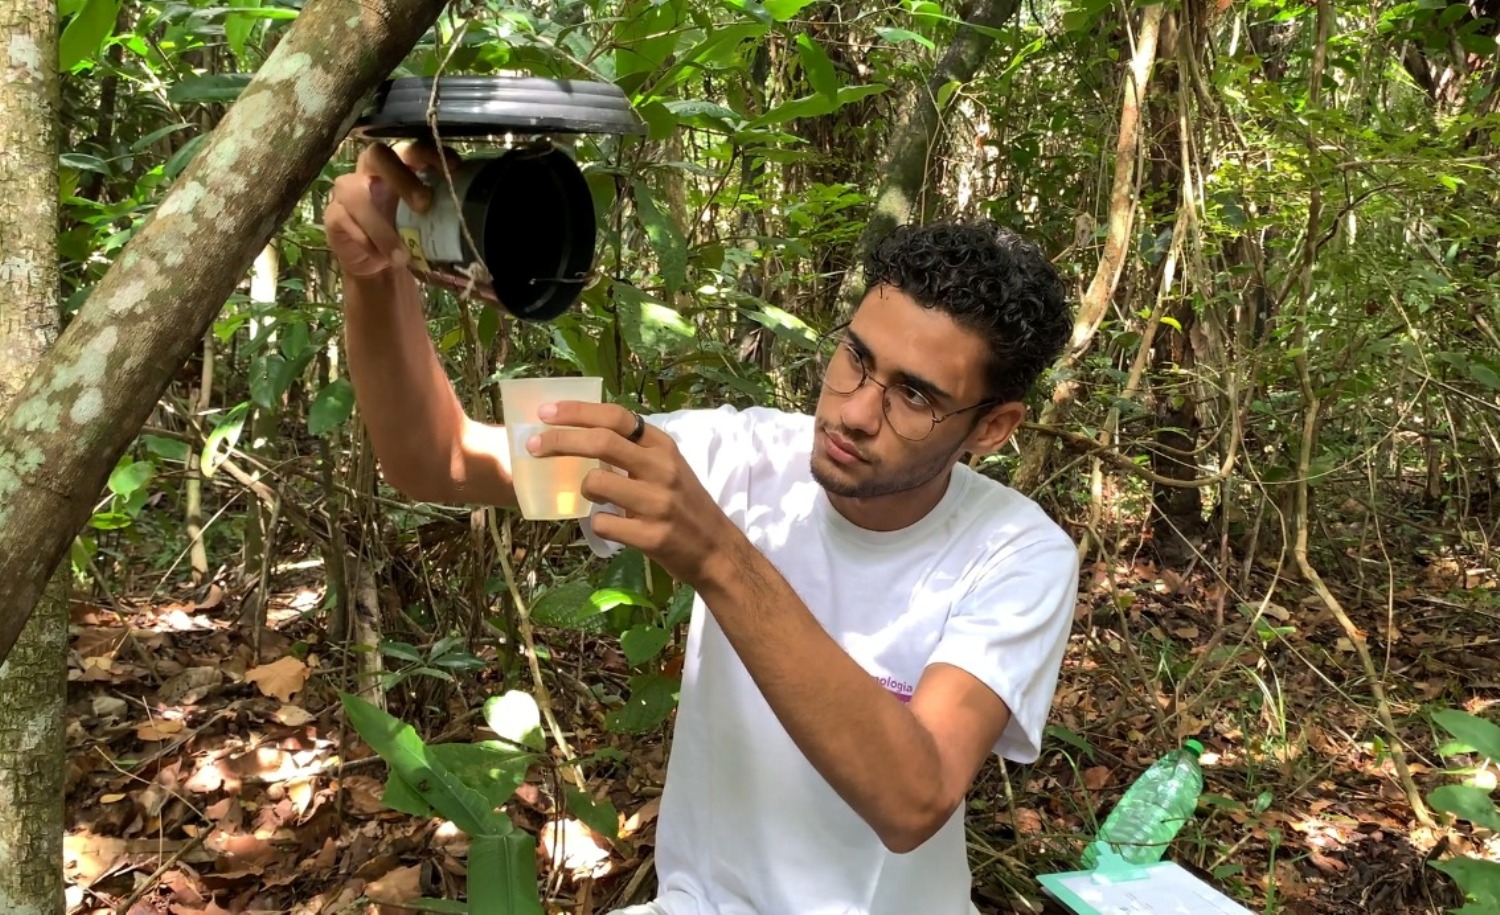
<point>360,220</point>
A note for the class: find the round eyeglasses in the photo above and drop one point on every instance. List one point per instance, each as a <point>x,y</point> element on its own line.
<point>908,411</point>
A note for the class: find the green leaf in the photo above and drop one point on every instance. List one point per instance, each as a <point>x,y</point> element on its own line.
<point>567,607</point>
<point>411,760</point>
<point>898,36</point>
<point>680,608</point>
<point>404,651</point>
<point>817,67</point>
<point>502,875</point>
<point>331,408</point>
<point>652,699</point>
<point>492,769</point>
<point>1479,733</point>
<point>127,478</point>
<point>1484,375</point>
<point>600,816</point>
<point>782,10</point>
<point>84,162</point>
<point>86,33</point>
<point>515,717</point>
<point>814,105</point>
<point>666,240</point>
<point>945,92</point>
<point>1479,880</point>
<point>607,599</point>
<point>225,435</point>
<point>1478,43</point>
<point>643,643</point>
<point>169,449</point>
<point>1468,803</point>
<point>212,87</point>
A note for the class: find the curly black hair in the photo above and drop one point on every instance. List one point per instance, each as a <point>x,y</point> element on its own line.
<point>990,281</point>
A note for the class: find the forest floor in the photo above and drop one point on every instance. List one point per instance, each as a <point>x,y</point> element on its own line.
<point>203,778</point>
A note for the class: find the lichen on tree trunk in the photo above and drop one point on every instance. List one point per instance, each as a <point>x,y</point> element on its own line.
<point>87,400</point>
<point>33,684</point>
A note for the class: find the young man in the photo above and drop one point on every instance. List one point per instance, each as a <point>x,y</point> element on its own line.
<point>873,618</point>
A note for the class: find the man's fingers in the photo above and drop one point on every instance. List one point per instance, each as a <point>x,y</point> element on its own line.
<point>600,444</point>
<point>376,226</point>
<point>424,155</point>
<point>609,416</point>
<point>383,162</point>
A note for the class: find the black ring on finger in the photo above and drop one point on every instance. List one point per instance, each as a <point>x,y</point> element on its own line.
<point>639,430</point>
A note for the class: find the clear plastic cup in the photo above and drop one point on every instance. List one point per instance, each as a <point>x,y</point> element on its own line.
<point>547,489</point>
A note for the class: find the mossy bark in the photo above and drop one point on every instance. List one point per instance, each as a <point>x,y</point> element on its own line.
<point>79,410</point>
<point>33,683</point>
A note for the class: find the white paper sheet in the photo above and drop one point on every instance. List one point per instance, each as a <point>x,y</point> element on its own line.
<point>1166,889</point>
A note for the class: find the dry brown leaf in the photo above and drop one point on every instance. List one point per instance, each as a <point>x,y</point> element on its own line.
<point>1096,778</point>
<point>111,798</point>
<point>208,778</point>
<point>159,729</point>
<point>87,857</point>
<point>1027,821</point>
<point>212,908</point>
<point>638,820</point>
<point>1186,632</point>
<point>364,794</point>
<point>293,715</point>
<point>575,847</point>
<point>398,886</point>
<point>279,679</point>
<point>189,686</point>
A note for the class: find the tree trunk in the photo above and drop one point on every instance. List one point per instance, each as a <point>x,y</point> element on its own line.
<point>1122,204</point>
<point>904,171</point>
<point>33,680</point>
<point>82,406</point>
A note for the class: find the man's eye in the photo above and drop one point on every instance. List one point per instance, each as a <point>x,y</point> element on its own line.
<point>913,398</point>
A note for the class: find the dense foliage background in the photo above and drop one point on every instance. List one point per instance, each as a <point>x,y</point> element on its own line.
<point>1275,436</point>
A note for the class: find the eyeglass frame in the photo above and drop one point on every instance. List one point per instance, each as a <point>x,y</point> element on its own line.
<point>885,399</point>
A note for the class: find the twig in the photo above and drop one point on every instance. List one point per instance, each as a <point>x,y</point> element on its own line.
<point>528,641</point>
<point>160,872</point>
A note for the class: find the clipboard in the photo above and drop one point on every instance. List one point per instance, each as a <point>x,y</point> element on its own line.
<point>1117,887</point>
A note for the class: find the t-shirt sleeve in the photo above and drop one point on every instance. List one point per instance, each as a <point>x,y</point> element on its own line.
<point>710,442</point>
<point>1010,632</point>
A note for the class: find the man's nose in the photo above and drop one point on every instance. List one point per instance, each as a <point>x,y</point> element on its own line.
<point>864,410</point>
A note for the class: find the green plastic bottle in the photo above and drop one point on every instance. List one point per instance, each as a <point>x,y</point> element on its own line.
<point>1153,809</point>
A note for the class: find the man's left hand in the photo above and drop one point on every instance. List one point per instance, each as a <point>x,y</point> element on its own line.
<point>667,514</point>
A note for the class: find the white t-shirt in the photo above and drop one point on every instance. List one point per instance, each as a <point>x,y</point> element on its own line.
<point>985,582</point>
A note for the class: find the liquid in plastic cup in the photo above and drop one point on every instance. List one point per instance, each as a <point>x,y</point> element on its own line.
<point>547,489</point>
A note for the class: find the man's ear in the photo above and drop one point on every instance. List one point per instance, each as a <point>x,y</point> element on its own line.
<point>996,427</point>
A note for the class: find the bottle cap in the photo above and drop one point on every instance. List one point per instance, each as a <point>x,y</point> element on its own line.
<point>1194,746</point>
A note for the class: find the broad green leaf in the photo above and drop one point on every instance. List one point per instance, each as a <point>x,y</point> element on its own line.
<point>666,239</point>
<point>782,10</point>
<point>814,105</point>
<point>515,717</point>
<point>567,607</point>
<point>225,436</point>
<point>1466,802</point>
<point>945,92</point>
<point>687,109</point>
<point>680,608</point>
<point>899,36</point>
<point>84,162</point>
<point>502,875</point>
<point>600,816</point>
<point>652,699</point>
<point>331,408</point>
<point>86,32</point>
<point>643,643</point>
<point>1479,880</point>
<point>494,770</point>
<point>1484,375</point>
<point>170,449</point>
<point>212,87</point>
<point>1479,733</point>
<point>411,760</point>
<point>607,599</point>
<point>817,67</point>
<point>128,478</point>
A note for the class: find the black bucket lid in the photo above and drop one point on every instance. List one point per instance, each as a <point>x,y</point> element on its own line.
<point>481,106</point>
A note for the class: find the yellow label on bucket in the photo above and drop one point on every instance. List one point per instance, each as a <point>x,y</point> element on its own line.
<point>413,238</point>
